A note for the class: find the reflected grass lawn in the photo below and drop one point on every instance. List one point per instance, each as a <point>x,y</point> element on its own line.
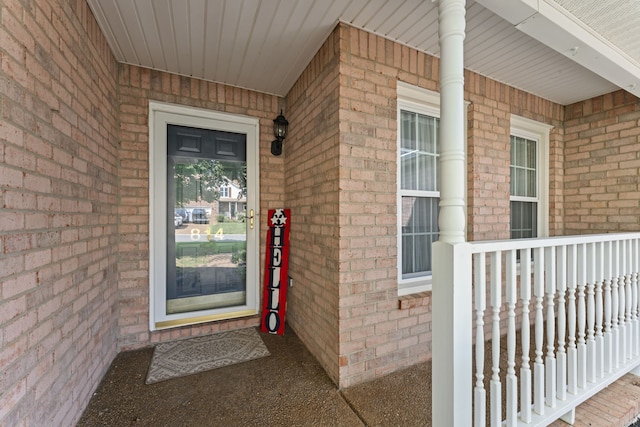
<point>223,228</point>
<point>198,254</point>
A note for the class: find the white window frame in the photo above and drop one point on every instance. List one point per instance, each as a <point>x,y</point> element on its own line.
<point>160,115</point>
<point>539,132</point>
<point>422,101</point>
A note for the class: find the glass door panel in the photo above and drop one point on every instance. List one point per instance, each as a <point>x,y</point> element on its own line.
<point>206,241</point>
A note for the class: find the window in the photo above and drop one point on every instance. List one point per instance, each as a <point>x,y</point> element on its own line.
<point>418,186</point>
<point>224,192</point>
<point>529,178</point>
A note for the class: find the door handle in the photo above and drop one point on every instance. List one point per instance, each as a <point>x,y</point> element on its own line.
<point>251,219</point>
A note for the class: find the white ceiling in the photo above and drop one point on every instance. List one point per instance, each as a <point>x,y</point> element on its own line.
<point>562,50</point>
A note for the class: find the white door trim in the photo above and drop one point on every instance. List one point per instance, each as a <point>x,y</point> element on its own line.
<point>160,115</point>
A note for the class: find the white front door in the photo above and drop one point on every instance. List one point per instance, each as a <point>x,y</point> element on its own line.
<point>203,257</point>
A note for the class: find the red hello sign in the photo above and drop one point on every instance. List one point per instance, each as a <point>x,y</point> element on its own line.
<point>276,269</point>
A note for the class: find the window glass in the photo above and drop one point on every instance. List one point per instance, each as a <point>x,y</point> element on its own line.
<point>419,231</point>
<point>205,258</point>
<point>419,194</point>
<point>419,152</point>
<point>523,167</point>
<point>524,220</point>
<point>524,187</point>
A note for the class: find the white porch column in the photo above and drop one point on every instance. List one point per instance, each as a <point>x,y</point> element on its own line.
<point>452,162</point>
<point>452,295</point>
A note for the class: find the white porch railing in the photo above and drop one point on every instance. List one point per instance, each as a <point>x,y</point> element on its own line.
<point>579,297</point>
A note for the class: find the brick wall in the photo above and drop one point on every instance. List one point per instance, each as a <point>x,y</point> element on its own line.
<point>488,157</point>
<point>58,210</point>
<point>137,87</point>
<point>376,337</point>
<point>602,165</point>
<point>312,191</point>
<point>488,154</point>
<point>379,332</point>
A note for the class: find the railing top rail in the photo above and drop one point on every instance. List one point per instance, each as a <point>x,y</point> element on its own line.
<point>545,242</point>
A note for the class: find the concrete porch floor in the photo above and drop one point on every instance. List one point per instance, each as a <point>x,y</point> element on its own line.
<point>289,388</point>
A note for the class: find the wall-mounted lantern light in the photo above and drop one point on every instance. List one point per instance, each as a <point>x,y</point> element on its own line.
<point>280,127</point>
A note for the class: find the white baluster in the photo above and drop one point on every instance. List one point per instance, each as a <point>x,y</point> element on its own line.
<point>561,266</point>
<point>582,344</point>
<point>622,303</point>
<point>538,366</point>
<point>550,361</point>
<point>511,298</point>
<point>591,311</point>
<point>608,307</point>
<point>636,274</point>
<point>525,369</point>
<point>480,288</point>
<point>572,351</point>
<point>615,271</point>
<point>628,317</point>
<point>496,301</point>
<point>599,263</point>
<point>634,297</point>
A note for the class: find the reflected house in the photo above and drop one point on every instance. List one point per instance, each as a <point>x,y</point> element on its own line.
<point>233,202</point>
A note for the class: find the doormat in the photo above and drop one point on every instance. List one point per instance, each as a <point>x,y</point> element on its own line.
<point>185,357</point>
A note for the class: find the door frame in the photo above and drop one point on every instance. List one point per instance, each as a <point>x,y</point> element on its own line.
<point>160,115</point>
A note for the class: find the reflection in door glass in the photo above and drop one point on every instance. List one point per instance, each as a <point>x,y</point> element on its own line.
<point>206,242</point>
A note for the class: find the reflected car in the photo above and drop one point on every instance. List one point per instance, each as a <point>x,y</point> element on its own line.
<point>177,220</point>
<point>184,214</point>
<point>199,216</point>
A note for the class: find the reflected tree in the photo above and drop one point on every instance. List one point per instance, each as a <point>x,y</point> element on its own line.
<point>201,180</point>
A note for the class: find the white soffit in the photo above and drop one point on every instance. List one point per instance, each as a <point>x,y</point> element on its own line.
<point>265,45</point>
<point>559,24</point>
<point>615,20</point>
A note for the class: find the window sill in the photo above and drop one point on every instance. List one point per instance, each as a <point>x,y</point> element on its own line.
<point>419,299</point>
